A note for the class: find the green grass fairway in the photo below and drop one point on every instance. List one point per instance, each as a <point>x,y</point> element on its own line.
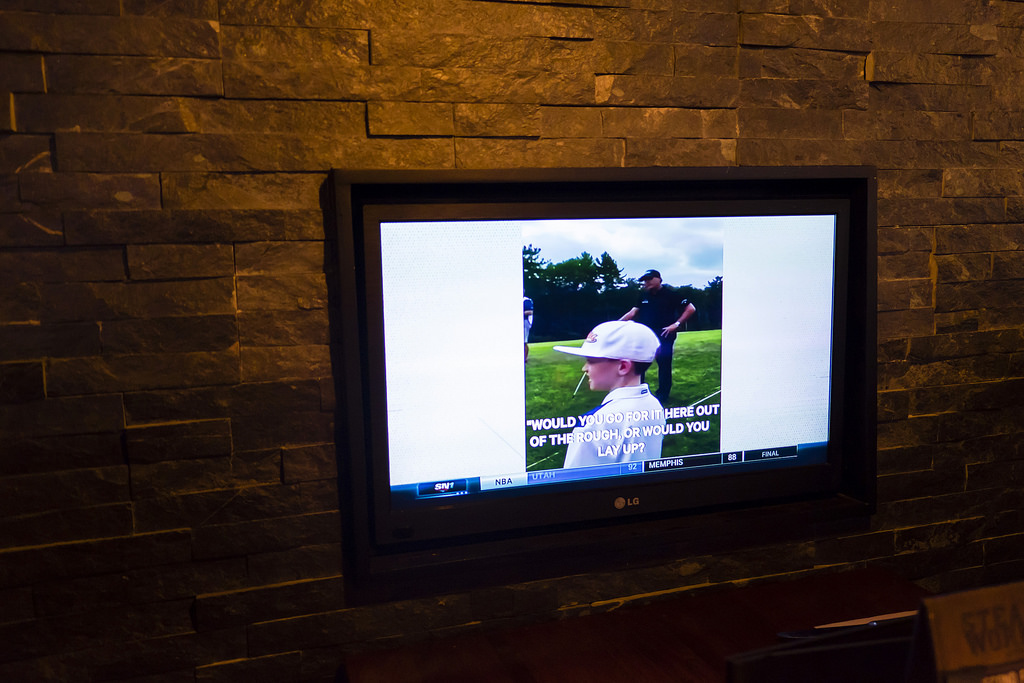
<point>551,378</point>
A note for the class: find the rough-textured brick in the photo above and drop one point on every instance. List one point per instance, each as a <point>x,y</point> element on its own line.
<point>903,183</point>
<point>33,493</point>
<point>192,191</point>
<point>805,93</point>
<point>952,12</point>
<point>912,265</point>
<point>73,415</point>
<point>631,58</point>
<point>549,21</point>
<point>658,123</point>
<point>31,228</point>
<point>21,382</point>
<point>271,12</point>
<point>103,35</point>
<point>63,302</point>
<point>174,477</point>
<point>168,582</point>
<point>108,520</point>
<point>968,295</point>
<point>142,114</point>
<point>133,75</point>
<point>265,603</point>
<point>958,239</point>
<point>304,562</point>
<point>663,91</point>
<point>284,667</point>
<point>272,363</point>
<point>99,7</point>
<point>283,328</point>
<point>260,500</point>
<point>515,87</point>
<point>901,295</point>
<point>479,152</point>
<point>18,603</point>
<point>790,123</point>
<point>258,400</point>
<point>71,632</point>
<point>570,122</point>
<point>1004,125</point>
<point>702,61</point>
<point>51,453</point>
<point>800,64</point>
<point>287,80</point>
<point>63,265</point>
<point>778,30</point>
<point>199,9</point>
<point>25,153</point>
<point>652,152</point>
<point>410,118</point>
<point>99,153</point>
<point>963,267</point>
<point>277,534</point>
<point>1008,265</point>
<point>289,291</point>
<point>97,375</point>
<point>941,212</point>
<point>937,38</point>
<point>982,182</point>
<point>169,335</point>
<point>193,226</point>
<point>188,440</point>
<point>899,67</point>
<point>908,125</point>
<point>497,120</point>
<point>21,73</point>
<point>164,261</point>
<point>307,463</point>
<point>770,151</point>
<point>166,659</point>
<point>286,44</point>
<point>91,191</point>
<point>929,97</point>
<point>263,258</point>
<point>27,565</point>
<point>285,427</point>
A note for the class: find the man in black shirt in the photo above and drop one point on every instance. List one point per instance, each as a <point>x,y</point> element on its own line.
<point>663,309</point>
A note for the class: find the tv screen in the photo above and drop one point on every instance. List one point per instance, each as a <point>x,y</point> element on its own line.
<point>693,342</point>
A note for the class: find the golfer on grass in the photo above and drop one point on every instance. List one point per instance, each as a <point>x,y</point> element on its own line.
<point>663,309</point>
<point>527,324</point>
<point>627,426</point>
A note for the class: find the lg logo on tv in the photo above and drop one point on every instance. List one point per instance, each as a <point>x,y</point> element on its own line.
<point>621,502</point>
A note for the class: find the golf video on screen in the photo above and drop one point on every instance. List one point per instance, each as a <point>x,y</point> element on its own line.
<point>649,346</point>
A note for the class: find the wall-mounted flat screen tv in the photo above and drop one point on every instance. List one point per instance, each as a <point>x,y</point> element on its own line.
<point>539,369</point>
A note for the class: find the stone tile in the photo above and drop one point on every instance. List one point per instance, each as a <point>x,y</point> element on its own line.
<point>77,191</point>
<point>167,36</point>
<point>96,375</point>
<point>168,261</point>
<point>169,335</point>
<point>116,75</point>
<point>95,414</point>
<point>193,226</point>
<point>178,441</point>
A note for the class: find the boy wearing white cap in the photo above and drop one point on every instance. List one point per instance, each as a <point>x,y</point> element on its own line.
<point>628,425</point>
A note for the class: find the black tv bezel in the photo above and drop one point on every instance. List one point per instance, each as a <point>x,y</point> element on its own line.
<point>801,503</point>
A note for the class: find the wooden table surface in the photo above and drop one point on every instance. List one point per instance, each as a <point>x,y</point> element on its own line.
<point>683,639</point>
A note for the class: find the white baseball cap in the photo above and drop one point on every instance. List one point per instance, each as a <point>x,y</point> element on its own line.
<point>617,339</point>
